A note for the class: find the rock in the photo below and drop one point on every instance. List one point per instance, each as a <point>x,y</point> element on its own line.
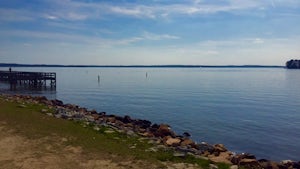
<point>219,148</point>
<point>41,98</point>
<point>60,111</point>
<point>144,124</point>
<point>94,112</point>
<point>273,165</point>
<point>184,149</point>
<point>161,147</point>
<point>44,110</point>
<point>237,158</point>
<point>248,162</point>
<point>22,106</point>
<point>147,134</point>
<point>234,167</point>
<point>64,139</point>
<point>57,102</point>
<point>264,163</point>
<point>248,156</point>
<point>46,102</point>
<point>201,157</point>
<point>130,133</point>
<point>164,130</point>
<point>78,116</point>
<point>111,119</point>
<point>263,160</point>
<point>89,118</point>
<point>154,126</point>
<point>287,163</point>
<point>186,134</point>
<point>213,166</point>
<point>96,128</point>
<point>173,142</point>
<point>132,147</point>
<point>187,142</point>
<point>58,116</point>
<point>204,147</point>
<point>50,114</point>
<point>96,116</point>
<point>129,125</point>
<point>152,149</point>
<point>113,127</point>
<point>126,119</point>
<point>296,165</point>
<point>109,131</point>
<point>70,106</point>
<point>223,157</point>
<point>178,154</point>
<point>216,153</point>
<point>82,110</point>
<point>155,141</point>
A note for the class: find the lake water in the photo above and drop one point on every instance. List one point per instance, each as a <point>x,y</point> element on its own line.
<point>253,110</point>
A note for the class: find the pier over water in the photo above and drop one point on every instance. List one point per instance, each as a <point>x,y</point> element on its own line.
<point>32,79</point>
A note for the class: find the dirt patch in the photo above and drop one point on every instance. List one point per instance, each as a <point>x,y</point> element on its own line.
<point>50,152</point>
<point>180,166</point>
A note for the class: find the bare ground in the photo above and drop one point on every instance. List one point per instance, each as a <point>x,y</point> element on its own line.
<point>50,152</point>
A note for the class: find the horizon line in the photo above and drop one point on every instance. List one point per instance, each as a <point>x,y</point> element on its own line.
<point>163,65</point>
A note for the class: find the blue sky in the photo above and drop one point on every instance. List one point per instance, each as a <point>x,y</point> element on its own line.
<point>131,32</point>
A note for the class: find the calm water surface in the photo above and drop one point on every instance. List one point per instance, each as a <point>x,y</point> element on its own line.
<point>252,110</point>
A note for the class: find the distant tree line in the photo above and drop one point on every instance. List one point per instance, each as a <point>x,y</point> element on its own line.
<point>293,64</point>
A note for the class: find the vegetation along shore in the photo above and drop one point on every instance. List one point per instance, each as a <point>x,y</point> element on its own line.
<point>40,133</point>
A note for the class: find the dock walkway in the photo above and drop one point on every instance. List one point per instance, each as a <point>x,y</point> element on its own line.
<point>33,79</point>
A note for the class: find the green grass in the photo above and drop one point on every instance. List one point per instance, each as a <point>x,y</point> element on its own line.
<point>31,123</point>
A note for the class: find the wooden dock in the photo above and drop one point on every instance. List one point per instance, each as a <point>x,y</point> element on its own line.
<point>32,79</point>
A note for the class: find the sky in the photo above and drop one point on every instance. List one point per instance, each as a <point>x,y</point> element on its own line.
<point>149,32</point>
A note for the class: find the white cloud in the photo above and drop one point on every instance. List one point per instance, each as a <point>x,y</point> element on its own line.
<point>152,36</point>
<point>75,10</point>
<point>258,41</point>
<point>137,11</point>
<point>125,41</point>
<point>84,39</point>
<point>77,16</point>
<point>51,17</point>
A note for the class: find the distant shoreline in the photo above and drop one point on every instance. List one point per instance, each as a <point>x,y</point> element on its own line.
<point>141,66</point>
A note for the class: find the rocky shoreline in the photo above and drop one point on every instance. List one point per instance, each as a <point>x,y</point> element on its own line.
<point>159,134</point>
